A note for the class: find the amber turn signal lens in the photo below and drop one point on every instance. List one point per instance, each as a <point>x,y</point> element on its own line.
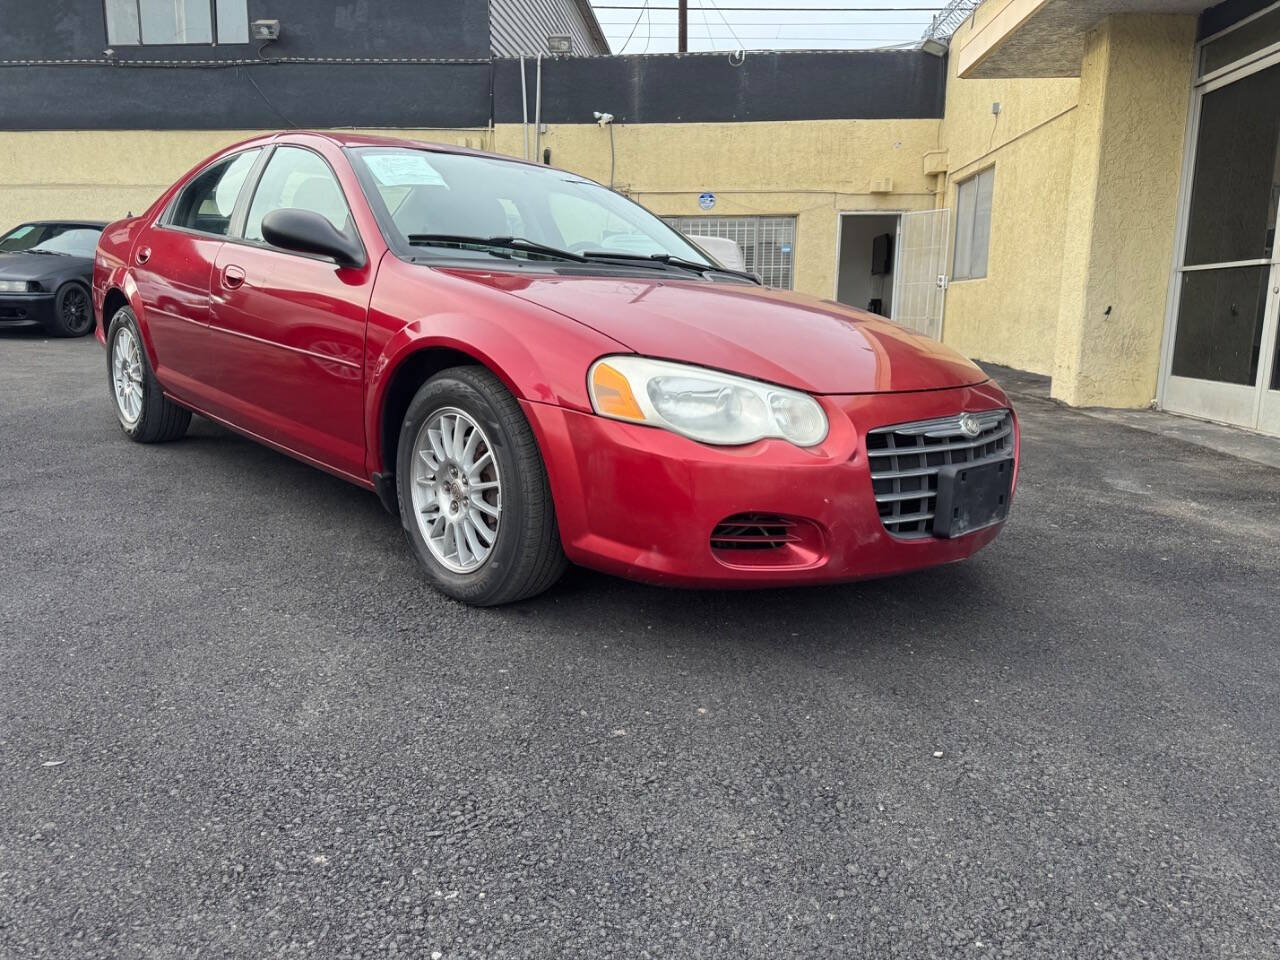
<point>612,394</point>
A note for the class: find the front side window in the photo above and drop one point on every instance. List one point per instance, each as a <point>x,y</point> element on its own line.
<point>435,194</point>
<point>207,202</point>
<point>297,179</point>
<point>973,225</point>
<point>135,22</point>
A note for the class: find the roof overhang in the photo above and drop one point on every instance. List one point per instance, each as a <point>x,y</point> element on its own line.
<point>593,23</point>
<point>1041,38</point>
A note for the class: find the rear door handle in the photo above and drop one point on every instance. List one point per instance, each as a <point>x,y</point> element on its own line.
<point>232,276</point>
<point>143,255</point>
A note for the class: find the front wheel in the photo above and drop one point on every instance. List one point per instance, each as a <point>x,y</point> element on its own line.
<point>146,415</point>
<point>72,312</point>
<point>473,491</point>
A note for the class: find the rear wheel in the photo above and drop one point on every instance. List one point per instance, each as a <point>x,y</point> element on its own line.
<point>145,413</point>
<point>72,312</point>
<point>473,491</point>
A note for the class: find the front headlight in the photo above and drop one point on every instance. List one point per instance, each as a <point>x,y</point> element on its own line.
<point>704,405</point>
<point>18,286</point>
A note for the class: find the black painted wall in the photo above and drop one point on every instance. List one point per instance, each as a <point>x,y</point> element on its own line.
<point>712,87</point>
<point>56,29</point>
<point>361,85</point>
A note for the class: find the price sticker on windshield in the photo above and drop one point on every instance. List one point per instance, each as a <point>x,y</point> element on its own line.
<point>404,170</point>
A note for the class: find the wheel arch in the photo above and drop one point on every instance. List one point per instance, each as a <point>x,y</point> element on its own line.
<point>401,381</point>
<point>113,300</point>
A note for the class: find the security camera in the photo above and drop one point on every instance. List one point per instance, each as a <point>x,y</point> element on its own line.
<point>603,118</point>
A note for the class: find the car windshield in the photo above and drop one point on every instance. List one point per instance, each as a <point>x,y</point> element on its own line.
<point>447,197</point>
<point>79,242</point>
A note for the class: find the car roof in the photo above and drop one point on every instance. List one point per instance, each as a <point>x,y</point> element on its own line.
<point>99,224</point>
<point>345,139</point>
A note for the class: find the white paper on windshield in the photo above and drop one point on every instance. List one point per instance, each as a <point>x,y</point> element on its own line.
<point>404,170</point>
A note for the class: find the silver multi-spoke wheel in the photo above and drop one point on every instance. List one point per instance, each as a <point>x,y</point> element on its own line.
<point>457,492</point>
<point>126,375</point>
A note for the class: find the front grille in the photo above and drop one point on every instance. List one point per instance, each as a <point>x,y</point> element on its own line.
<point>905,459</point>
<point>753,531</point>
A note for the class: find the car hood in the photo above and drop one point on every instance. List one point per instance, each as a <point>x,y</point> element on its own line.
<point>773,335</point>
<point>36,266</point>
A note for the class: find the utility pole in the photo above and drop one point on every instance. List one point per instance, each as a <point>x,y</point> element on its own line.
<point>684,26</point>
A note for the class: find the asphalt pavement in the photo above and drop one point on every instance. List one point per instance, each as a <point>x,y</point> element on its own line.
<point>235,722</point>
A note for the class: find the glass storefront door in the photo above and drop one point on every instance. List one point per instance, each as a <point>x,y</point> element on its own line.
<point>1223,363</point>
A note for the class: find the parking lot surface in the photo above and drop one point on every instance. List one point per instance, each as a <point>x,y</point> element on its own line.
<point>235,722</point>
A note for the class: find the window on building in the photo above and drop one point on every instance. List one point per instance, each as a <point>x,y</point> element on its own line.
<point>134,22</point>
<point>207,202</point>
<point>768,243</point>
<point>297,179</point>
<point>973,225</point>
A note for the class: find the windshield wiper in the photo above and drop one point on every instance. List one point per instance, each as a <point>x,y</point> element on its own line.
<point>501,243</point>
<point>669,260</point>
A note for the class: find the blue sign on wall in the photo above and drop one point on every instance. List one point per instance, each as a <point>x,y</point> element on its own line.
<point>707,200</point>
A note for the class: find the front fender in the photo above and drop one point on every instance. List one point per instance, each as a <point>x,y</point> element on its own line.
<point>539,355</point>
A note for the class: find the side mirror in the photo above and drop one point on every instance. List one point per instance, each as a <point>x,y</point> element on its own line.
<point>307,232</point>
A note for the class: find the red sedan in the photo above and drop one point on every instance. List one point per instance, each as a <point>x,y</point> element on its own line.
<point>530,369</point>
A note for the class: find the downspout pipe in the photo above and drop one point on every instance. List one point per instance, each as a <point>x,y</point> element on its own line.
<point>524,107</point>
<point>537,115</point>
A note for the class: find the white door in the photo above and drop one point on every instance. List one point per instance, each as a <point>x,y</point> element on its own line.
<point>920,276</point>
<point>1222,362</point>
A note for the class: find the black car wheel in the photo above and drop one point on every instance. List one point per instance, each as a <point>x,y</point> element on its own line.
<point>146,415</point>
<point>474,496</point>
<point>72,312</point>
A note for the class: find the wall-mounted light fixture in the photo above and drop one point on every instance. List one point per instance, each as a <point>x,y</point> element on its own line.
<point>559,43</point>
<point>265,30</point>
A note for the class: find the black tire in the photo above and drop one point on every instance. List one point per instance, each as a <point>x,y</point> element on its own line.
<point>526,557</point>
<point>159,418</point>
<point>72,311</point>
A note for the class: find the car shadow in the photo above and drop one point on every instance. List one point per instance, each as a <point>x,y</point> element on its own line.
<point>847,617</point>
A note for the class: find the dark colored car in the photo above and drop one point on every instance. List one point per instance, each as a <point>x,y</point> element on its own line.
<point>46,269</point>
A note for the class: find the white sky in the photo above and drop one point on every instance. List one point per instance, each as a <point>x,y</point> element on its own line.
<point>768,25</point>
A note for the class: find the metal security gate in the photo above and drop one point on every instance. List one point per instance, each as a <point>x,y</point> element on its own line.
<point>920,285</point>
<point>768,243</point>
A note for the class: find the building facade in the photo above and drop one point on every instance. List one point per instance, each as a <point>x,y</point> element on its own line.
<point>1085,190</point>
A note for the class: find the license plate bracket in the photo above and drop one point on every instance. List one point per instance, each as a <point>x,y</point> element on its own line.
<point>972,496</point>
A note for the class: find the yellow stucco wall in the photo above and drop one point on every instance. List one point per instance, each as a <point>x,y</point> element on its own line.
<point>104,174</point>
<point>813,170</point>
<point>1011,315</point>
<point>1122,209</point>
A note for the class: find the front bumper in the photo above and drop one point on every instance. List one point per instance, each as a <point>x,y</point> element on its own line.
<point>26,307</point>
<point>642,503</point>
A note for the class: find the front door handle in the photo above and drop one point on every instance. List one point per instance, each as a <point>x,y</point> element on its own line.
<point>143,255</point>
<point>232,276</point>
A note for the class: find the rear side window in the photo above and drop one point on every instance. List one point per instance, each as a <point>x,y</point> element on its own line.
<point>207,202</point>
<point>297,179</point>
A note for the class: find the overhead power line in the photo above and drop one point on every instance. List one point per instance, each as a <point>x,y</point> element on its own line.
<point>781,9</point>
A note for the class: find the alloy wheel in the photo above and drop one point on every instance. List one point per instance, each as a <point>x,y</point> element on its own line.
<point>126,375</point>
<point>457,491</point>
<point>75,310</point>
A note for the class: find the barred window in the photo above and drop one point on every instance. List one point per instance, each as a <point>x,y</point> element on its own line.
<point>768,243</point>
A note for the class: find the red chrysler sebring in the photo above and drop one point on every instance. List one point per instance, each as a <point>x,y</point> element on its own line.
<point>529,369</point>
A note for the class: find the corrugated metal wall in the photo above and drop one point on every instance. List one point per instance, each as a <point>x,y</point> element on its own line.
<point>521,27</point>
